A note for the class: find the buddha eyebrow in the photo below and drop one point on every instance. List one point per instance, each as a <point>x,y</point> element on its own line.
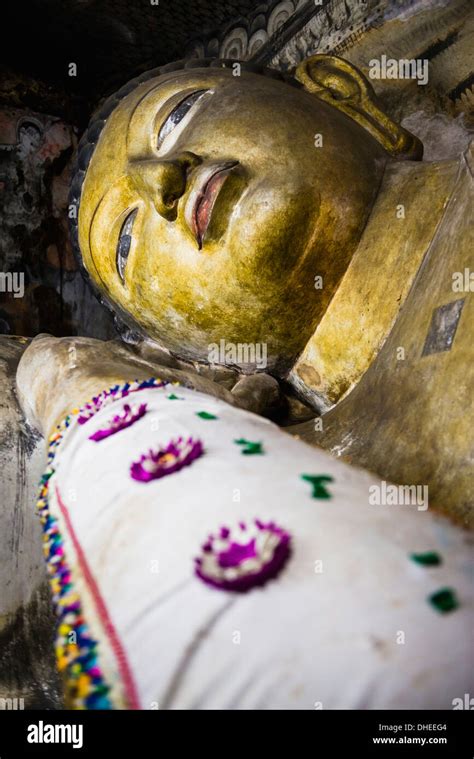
<point>146,95</point>
<point>143,97</point>
<point>101,208</point>
<point>95,214</point>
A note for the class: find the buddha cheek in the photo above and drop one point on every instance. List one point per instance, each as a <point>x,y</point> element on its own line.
<point>274,230</point>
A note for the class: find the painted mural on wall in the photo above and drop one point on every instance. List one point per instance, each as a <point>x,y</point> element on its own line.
<point>41,289</point>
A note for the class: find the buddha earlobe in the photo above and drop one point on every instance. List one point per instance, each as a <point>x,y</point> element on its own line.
<point>343,86</point>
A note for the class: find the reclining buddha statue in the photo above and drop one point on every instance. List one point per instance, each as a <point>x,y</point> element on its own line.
<point>199,555</point>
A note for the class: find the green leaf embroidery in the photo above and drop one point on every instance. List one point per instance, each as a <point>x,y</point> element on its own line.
<point>249,447</point>
<point>317,481</point>
<point>444,600</point>
<point>427,559</point>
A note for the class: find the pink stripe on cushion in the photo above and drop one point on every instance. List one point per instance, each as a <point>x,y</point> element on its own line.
<point>101,608</point>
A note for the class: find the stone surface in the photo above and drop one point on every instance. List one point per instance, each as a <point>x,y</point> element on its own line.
<point>27,666</point>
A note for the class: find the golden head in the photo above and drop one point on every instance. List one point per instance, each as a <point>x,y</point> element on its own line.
<point>215,196</point>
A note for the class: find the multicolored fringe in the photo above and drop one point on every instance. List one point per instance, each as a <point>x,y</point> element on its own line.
<point>130,415</point>
<point>76,651</point>
<point>118,391</point>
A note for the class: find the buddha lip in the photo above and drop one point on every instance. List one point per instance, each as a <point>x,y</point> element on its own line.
<point>202,199</point>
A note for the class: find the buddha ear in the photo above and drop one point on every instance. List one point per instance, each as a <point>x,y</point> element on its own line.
<point>343,86</point>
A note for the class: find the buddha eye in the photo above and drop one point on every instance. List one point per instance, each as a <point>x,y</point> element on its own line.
<point>177,114</point>
<point>124,243</point>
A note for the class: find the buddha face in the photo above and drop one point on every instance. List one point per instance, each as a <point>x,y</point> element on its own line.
<point>221,207</point>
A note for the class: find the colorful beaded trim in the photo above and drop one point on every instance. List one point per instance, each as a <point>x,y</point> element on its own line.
<point>76,651</point>
<point>130,415</point>
<point>107,396</point>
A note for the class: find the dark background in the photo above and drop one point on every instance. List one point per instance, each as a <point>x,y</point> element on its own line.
<point>43,111</point>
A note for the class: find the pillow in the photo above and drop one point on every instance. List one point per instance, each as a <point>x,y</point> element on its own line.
<point>200,557</point>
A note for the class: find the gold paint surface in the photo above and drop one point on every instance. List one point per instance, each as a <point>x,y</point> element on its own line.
<point>377,281</point>
<point>410,417</point>
<point>289,211</point>
<point>340,83</point>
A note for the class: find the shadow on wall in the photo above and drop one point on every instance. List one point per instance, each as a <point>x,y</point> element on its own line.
<point>28,675</point>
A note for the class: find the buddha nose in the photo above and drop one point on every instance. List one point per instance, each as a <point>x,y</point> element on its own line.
<point>164,181</point>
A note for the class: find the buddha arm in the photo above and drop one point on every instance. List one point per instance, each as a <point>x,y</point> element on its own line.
<point>56,375</point>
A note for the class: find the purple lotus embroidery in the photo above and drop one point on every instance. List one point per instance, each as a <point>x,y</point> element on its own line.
<point>242,558</point>
<point>155,464</point>
<point>129,416</point>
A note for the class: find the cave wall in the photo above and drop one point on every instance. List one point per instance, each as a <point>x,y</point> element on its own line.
<point>81,51</point>
<point>44,109</point>
<point>48,294</point>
